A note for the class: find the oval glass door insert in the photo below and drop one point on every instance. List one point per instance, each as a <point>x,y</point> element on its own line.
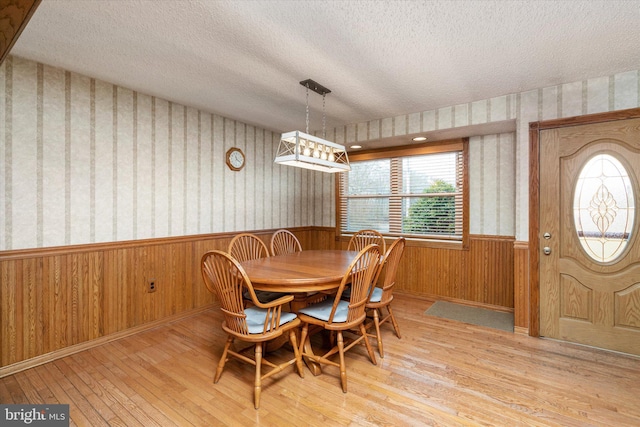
<point>603,208</point>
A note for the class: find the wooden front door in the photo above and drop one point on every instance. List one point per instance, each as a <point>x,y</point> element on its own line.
<point>589,226</point>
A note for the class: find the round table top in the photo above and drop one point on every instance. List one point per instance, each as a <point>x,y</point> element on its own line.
<point>305,271</point>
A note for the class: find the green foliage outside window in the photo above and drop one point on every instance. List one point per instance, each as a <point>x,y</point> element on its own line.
<point>432,215</point>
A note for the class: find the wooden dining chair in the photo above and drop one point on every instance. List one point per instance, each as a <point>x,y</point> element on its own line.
<point>225,277</point>
<point>284,242</point>
<point>382,294</point>
<point>337,315</point>
<point>245,247</point>
<point>363,238</point>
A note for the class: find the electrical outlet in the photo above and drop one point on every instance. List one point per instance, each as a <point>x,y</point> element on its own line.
<point>152,286</point>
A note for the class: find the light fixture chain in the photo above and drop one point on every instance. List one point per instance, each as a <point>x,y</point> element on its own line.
<point>307,131</point>
<point>324,117</point>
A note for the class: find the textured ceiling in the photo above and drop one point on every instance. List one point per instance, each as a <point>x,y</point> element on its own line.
<point>244,59</point>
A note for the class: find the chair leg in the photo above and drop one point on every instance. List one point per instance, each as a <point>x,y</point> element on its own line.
<point>376,321</point>
<point>296,352</point>
<point>303,337</point>
<point>343,368</point>
<point>223,359</point>
<point>257,386</point>
<point>372,355</point>
<point>393,321</point>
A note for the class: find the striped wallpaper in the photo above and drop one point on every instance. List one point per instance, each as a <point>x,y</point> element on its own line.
<point>85,161</point>
<point>609,93</point>
<point>492,184</point>
<point>616,92</point>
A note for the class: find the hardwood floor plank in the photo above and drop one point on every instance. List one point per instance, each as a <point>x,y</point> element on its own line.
<point>74,370</point>
<point>16,395</point>
<point>146,391</point>
<point>30,391</point>
<point>5,394</point>
<point>441,372</point>
<point>76,411</point>
<point>126,403</point>
<point>168,392</point>
<point>45,394</point>
<point>541,388</point>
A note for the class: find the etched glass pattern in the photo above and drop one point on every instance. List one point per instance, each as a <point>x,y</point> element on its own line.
<point>604,208</point>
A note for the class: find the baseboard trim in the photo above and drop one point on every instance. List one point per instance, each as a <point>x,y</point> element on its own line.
<point>57,354</point>
<point>520,330</point>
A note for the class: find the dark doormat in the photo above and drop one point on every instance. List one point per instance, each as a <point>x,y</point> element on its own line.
<point>474,315</point>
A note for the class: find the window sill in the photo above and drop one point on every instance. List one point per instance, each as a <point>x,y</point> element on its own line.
<point>421,243</point>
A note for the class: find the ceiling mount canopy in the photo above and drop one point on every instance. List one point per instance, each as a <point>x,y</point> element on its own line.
<point>307,151</point>
<point>315,86</point>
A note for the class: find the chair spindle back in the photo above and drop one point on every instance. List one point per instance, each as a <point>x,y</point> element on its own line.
<point>247,246</point>
<point>390,268</point>
<point>366,237</point>
<point>284,242</point>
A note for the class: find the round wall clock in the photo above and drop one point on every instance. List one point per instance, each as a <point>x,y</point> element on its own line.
<point>235,159</point>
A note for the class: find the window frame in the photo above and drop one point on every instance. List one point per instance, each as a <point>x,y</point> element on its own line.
<point>436,147</point>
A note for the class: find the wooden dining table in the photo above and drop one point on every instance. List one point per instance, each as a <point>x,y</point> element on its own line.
<point>300,274</point>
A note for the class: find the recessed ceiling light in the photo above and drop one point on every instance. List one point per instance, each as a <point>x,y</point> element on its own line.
<point>355,147</point>
<point>420,138</point>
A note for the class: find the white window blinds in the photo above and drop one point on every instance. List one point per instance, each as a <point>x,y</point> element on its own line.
<point>419,195</point>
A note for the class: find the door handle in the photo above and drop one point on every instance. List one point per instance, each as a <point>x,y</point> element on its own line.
<point>546,250</point>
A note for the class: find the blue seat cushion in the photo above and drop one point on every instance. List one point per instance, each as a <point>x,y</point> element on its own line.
<point>376,295</point>
<point>322,310</point>
<point>256,317</point>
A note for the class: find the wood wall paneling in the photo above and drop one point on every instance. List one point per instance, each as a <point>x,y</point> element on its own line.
<point>55,299</point>
<point>52,302</point>
<point>317,238</point>
<point>491,270</point>
<point>483,274</point>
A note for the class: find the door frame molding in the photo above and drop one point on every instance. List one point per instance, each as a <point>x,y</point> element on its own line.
<point>534,197</point>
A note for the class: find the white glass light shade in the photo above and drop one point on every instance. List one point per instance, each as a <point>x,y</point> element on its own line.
<point>303,150</point>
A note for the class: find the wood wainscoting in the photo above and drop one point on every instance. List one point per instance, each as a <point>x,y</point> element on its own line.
<point>55,300</point>
<point>482,275</point>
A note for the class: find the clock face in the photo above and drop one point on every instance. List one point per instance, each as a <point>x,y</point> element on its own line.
<point>235,159</point>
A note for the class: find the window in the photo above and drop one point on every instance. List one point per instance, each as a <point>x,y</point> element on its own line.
<point>417,192</point>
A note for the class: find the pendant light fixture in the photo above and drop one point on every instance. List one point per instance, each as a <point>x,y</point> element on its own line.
<point>307,151</point>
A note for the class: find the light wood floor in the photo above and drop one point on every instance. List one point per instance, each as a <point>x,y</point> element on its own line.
<point>440,373</point>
